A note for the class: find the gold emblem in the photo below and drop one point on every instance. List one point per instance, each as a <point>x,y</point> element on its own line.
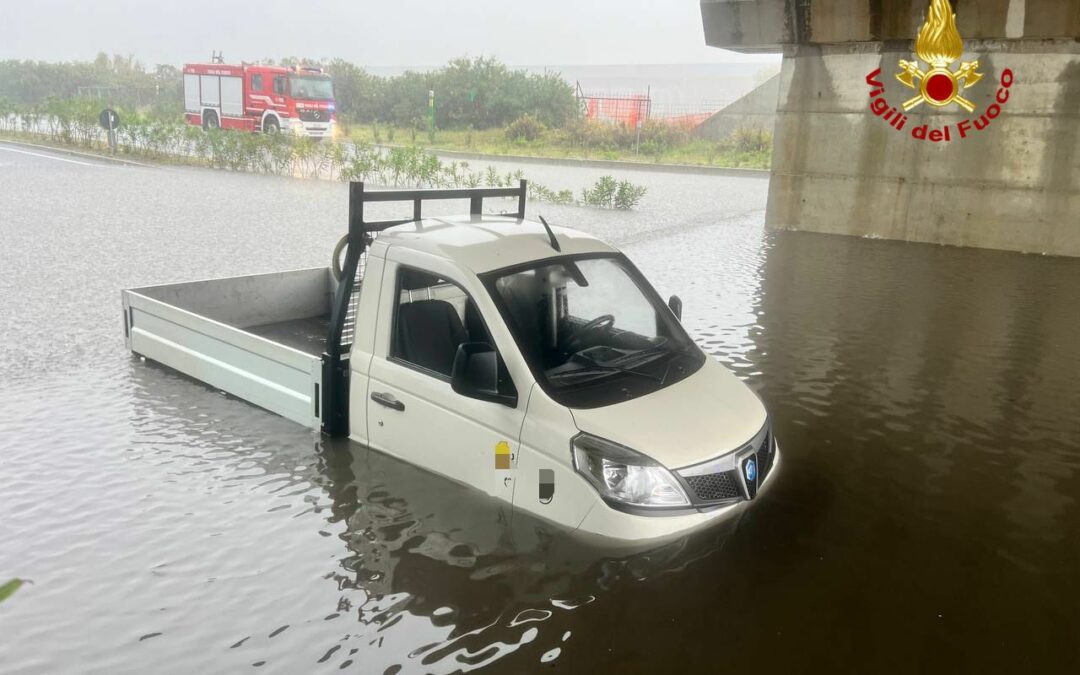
<point>939,44</point>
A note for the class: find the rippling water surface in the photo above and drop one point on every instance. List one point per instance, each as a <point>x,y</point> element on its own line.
<point>925,518</point>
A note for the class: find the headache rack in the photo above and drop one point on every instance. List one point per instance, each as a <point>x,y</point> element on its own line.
<point>335,360</point>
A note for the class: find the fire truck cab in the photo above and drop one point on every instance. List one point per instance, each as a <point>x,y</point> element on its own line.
<point>268,99</point>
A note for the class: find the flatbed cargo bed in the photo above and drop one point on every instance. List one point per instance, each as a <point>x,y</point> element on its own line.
<point>281,340</point>
<point>259,337</point>
<point>307,335</point>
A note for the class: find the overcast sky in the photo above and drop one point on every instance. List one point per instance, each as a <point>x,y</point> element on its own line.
<point>379,33</point>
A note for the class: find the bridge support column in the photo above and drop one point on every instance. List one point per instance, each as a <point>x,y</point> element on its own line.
<point>842,167</point>
<point>1015,184</point>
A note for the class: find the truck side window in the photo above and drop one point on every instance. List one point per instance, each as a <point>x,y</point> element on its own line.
<point>432,317</point>
<point>256,82</point>
<point>279,84</point>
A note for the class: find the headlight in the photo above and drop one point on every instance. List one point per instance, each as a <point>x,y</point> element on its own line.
<point>620,474</point>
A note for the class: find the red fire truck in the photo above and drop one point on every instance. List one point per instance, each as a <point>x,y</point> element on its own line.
<point>269,99</point>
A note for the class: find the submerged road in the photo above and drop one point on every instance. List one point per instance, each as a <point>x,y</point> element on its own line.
<point>925,517</point>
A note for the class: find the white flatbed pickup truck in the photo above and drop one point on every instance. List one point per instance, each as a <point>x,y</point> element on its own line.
<point>533,363</point>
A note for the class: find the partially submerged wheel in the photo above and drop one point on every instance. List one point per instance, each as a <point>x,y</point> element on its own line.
<point>271,125</point>
<point>210,121</point>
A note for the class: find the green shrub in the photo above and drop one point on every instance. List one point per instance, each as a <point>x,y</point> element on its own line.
<point>655,138</point>
<point>601,194</point>
<point>627,195</point>
<point>525,128</point>
<point>8,588</point>
<point>751,139</point>
<point>608,193</point>
<point>538,191</point>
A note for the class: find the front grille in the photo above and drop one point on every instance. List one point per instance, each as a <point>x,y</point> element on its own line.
<point>314,115</point>
<point>715,486</point>
<point>765,458</point>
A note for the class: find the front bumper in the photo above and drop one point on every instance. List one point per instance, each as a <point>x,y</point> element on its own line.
<point>314,129</point>
<point>603,521</point>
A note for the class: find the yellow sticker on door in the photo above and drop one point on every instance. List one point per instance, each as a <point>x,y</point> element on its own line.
<point>502,455</point>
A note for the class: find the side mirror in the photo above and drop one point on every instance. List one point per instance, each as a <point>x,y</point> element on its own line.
<point>479,373</point>
<point>676,306</point>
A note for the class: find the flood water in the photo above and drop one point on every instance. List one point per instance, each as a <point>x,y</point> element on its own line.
<point>925,517</point>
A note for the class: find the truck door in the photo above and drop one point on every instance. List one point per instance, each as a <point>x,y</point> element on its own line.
<point>257,99</point>
<point>412,412</point>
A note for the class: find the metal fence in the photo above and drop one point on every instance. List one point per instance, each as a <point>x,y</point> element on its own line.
<point>632,109</point>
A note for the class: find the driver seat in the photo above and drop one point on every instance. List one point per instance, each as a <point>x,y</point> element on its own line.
<point>429,333</point>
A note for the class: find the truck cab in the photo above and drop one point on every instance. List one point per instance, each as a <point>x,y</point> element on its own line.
<point>533,363</point>
<point>297,100</point>
<point>557,380</point>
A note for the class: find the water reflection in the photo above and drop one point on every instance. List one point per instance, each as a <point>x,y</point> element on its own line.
<point>925,519</point>
<point>936,372</point>
<point>926,399</point>
<point>430,576</point>
<point>920,394</point>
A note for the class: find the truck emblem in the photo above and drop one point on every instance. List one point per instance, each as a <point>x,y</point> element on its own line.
<point>939,44</point>
<point>750,470</point>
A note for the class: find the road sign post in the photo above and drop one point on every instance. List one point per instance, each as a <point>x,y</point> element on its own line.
<point>110,122</point>
<point>431,115</point>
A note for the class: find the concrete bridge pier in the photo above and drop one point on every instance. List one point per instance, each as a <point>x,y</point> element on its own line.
<point>1005,175</point>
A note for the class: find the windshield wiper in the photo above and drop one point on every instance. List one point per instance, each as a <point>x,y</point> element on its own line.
<point>682,351</point>
<point>599,371</point>
<point>644,351</point>
<point>595,369</point>
<point>662,348</point>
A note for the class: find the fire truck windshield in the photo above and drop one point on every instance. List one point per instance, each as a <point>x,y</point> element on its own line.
<point>311,88</point>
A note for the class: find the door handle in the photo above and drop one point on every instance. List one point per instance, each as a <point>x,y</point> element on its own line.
<point>387,400</point>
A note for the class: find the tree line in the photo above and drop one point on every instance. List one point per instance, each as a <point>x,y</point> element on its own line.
<point>481,93</point>
<point>119,81</point>
<point>74,122</point>
<point>478,93</point>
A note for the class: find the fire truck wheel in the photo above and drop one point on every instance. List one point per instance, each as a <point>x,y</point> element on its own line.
<point>210,121</point>
<point>271,125</point>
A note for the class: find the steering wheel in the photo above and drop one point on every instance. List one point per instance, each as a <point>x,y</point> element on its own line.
<point>600,324</point>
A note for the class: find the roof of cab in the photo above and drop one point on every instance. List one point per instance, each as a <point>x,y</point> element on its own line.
<point>481,243</point>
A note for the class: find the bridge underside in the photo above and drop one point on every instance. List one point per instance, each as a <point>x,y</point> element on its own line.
<point>1006,177</point>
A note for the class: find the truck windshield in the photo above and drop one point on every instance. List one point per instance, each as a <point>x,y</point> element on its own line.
<point>592,329</point>
<point>310,87</point>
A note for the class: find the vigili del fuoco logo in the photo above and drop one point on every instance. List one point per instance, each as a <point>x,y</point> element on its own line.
<point>938,45</point>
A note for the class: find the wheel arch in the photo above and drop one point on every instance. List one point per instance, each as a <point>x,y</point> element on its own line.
<point>270,113</point>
